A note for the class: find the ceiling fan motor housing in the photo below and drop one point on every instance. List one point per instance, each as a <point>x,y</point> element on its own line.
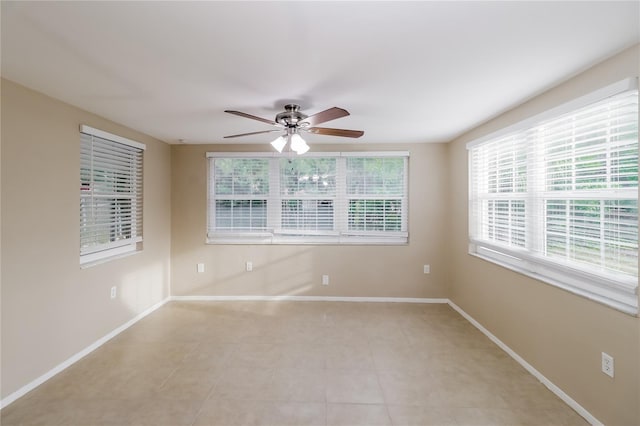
<point>292,121</point>
<point>291,116</point>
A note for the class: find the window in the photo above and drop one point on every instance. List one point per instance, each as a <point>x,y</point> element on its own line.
<point>330,198</point>
<point>308,194</point>
<point>557,197</point>
<point>375,189</point>
<point>242,190</point>
<point>110,195</point>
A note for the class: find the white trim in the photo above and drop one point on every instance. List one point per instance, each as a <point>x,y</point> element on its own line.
<point>106,259</point>
<point>375,154</point>
<point>118,249</point>
<point>619,295</point>
<point>272,233</point>
<point>110,136</point>
<point>627,84</point>
<point>305,232</point>
<point>241,154</point>
<point>79,355</point>
<point>236,154</point>
<point>307,239</point>
<point>552,387</point>
<point>607,279</point>
<point>528,218</point>
<point>308,154</point>
<point>307,299</point>
<point>70,361</point>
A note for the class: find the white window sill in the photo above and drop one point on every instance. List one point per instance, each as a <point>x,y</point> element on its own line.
<point>627,304</point>
<point>88,261</point>
<point>307,240</point>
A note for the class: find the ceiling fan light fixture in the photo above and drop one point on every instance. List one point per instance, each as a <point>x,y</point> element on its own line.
<point>298,144</point>
<point>279,143</point>
<point>291,121</point>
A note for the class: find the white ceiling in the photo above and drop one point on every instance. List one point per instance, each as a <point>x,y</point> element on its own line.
<point>407,71</point>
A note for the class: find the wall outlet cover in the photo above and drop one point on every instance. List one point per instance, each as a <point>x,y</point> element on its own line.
<point>607,364</point>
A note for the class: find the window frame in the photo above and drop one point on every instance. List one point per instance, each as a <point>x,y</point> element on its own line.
<point>279,214</point>
<point>276,234</point>
<point>617,290</point>
<point>131,218</point>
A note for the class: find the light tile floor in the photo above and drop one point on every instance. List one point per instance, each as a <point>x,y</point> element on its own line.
<point>295,363</point>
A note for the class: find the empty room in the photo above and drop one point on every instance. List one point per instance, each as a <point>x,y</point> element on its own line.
<point>319,213</point>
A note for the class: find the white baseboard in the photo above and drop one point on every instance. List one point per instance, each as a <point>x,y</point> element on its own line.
<point>309,299</point>
<point>552,387</point>
<point>73,359</point>
<point>62,366</point>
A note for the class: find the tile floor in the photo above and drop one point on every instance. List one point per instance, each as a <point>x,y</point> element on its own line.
<point>295,363</point>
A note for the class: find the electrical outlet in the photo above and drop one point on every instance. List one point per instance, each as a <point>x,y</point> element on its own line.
<point>607,364</point>
<point>200,267</point>
<point>427,269</point>
<point>325,280</point>
<point>114,292</point>
<point>249,266</point>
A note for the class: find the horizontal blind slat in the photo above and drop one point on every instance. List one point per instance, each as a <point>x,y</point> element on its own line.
<point>110,195</point>
<point>309,196</point>
<point>577,176</point>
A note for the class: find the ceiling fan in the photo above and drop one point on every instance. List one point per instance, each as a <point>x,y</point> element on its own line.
<point>291,122</point>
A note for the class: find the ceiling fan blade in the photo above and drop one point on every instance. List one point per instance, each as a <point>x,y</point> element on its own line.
<point>335,132</point>
<point>324,116</point>
<point>253,117</point>
<point>253,133</point>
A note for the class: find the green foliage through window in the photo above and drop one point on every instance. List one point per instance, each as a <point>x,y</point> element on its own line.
<point>561,197</point>
<point>331,197</point>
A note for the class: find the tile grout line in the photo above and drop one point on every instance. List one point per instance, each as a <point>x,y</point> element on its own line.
<point>406,327</point>
<point>384,395</point>
<point>79,355</point>
<point>530,369</point>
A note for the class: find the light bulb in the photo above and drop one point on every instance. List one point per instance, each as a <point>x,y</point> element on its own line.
<point>279,144</point>
<point>303,148</point>
<point>298,144</point>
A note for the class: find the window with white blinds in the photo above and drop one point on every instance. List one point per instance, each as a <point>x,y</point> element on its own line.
<point>110,195</point>
<point>242,190</point>
<point>308,194</point>
<point>557,198</point>
<point>319,198</point>
<point>375,189</point>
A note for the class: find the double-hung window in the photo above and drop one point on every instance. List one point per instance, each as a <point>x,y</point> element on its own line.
<point>375,192</point>
<point>110,195</point>
<point>318,198</point>
<point>307,195</point>
<point>241,191</point>
<point>556,197</point>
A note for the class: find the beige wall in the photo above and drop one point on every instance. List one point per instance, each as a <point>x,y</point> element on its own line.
<point>51,309</point>
<point>374,271</point>
<point>560,334</point>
